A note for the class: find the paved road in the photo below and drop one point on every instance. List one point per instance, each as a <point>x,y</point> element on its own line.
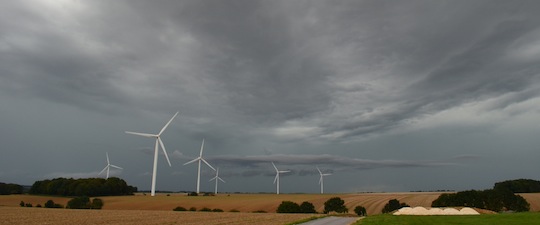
<point>332,220</point>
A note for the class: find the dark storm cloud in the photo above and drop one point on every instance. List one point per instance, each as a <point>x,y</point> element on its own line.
<point>302,77</point>
<point>297,163</point>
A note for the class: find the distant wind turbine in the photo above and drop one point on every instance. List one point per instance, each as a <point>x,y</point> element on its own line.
<point>109,165</point>
<point>217,178</point>
<point>156,150</point>
<point>200,158</point>
<point>321,180</point>
<point>277,176</point>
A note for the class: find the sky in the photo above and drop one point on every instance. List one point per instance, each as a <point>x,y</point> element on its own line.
<point>385,95</point>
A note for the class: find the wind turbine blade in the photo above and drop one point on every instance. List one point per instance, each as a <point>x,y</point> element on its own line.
<point>326,174</point>
<point>207,163</point>
<point>107,154</point>
<point>202,148</point>
<point>141,134</point>
<point>164,151</point>
<point>319,170</point>
<point>275,167</point>
<point>117,167</point>
<point>103,170</point>
<point>284,171</point>
<point>221,179</point>
<point>166,125</point>
<point>192,161</point>
<point>212,179</point>
<point>275,179</point>
<point>320,180</point>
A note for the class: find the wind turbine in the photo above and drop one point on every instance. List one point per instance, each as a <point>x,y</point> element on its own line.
<point>277,176</point>
<point>200,158</point>
<point>217,178</point>
<point>321,181</point>
<point>109,165</point>
<point>156,150</point>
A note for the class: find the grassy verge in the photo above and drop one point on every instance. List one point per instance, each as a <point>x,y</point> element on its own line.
<point>306,220</point>
<point>495,219</point>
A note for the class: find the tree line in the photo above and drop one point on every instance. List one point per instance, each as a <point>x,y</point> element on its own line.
<point>82,187</point>
<point>9,189</point>
<point>501,198</point>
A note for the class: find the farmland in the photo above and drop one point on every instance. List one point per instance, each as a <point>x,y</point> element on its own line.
<point>151,210</point>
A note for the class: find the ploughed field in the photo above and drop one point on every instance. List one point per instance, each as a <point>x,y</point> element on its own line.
<point>153,210</point>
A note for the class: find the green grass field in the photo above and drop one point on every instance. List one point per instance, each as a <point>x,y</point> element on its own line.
<point>494,219</point>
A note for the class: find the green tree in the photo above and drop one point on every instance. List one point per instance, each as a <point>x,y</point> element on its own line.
<point>49,204</point>
<point>307,207</point>
<point>288,207</point>
<point>335,204</point>
<point>79,203</point>
<point>360,211</point>
<point>392,205</point>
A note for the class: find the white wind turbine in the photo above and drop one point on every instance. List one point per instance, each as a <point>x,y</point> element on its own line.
<point>109,165</point>
<point>321,180</point>
<point>217,178</point>
<point>277,176</point>
<point>156,150</point>
<point>200,158</point>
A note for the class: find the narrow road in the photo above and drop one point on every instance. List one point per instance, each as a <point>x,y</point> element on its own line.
<point>332,220</point>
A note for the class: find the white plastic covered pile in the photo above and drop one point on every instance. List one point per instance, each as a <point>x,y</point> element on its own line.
<point>435,211</point>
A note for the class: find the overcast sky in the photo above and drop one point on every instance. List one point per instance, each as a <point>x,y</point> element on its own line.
<point>386,95</point>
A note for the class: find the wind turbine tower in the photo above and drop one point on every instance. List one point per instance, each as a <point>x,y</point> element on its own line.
<point>156,150</point>
<point>277,176</point>
<point>217,178</point>
<point>109,165</point>
<point>321,180</point>
<point>200,158</point>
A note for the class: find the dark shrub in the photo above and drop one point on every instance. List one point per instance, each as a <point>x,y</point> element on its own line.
<point>360,211</point>
<point>192,209</point>
<point>392,205</point>
<point>307,207</point>
<point>96,203</point>
<point>79,203</point>
<point>179,208</point>
<point>335,204</point>
<point>217,210</point>
<point>205,209</point>
<point>288,207</point>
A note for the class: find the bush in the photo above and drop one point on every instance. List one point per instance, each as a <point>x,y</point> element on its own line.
<point>217,210</point>
<point>79,203</point>
<point>96,203</point>
<point>335,204</point>
<point>28,204</point>
<point>288,207</point>
<point>193,209</point>
<point>21,204</point>
<point>519,186</point>
<point>51,204</point>
<point>259,211</point>
<point>234,210</point>
<point>192,194</point>
<point>307,207</point>
<point>179,208</point>
<point>392,205</point>
<point>38,205</point>
<point>205,209</point>
<point>360,211</point>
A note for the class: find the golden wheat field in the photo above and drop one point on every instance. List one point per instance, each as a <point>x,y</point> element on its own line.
<point>143,209</point>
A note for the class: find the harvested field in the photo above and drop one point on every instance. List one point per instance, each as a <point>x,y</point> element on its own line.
<point>23,215</point>
<point>374,202</point>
